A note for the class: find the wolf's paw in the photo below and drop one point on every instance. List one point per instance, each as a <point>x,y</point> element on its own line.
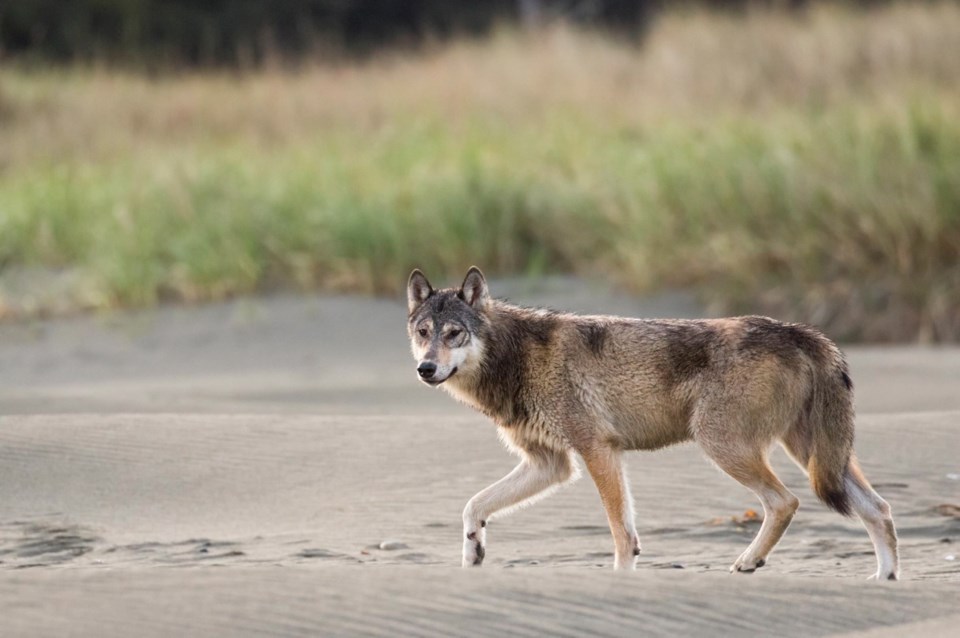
<point>747,565</point>
<point>626,564</point>
<point>884,576</point>
<point>473,549</point>
<point>626,558</point>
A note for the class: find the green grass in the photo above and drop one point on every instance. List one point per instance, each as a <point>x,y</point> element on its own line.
<point>843,210</point>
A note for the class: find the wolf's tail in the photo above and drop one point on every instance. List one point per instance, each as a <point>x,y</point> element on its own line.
<point>829,432</point>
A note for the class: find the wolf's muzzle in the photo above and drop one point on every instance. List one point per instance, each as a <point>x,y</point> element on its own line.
<point>426,370</point>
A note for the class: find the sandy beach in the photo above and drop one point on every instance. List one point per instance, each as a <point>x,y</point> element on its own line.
<point>272,467</point>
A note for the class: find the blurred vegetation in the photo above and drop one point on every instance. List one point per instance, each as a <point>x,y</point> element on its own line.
<point>165,33</point>
<point>229,32</point>
<point>803,167</point>
<point>170,33</point>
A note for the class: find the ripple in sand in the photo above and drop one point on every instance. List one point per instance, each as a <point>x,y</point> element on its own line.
<point>586,530</point>
<point>417,557</point>
<point>36,544</point>
<point>178,553</point>
<point>317,552</point>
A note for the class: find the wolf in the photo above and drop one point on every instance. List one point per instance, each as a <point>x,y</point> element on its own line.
<point>559,385</point>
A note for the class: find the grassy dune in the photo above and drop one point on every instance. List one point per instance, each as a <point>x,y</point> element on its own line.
<point>808,168</point>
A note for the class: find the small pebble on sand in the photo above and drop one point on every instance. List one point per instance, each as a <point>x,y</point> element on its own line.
<point>392,545</point>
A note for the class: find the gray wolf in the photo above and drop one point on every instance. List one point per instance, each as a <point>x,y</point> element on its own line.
<point>559,385</point>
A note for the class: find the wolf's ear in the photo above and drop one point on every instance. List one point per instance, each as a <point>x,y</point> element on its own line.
<point>474,289</point>
<point>418,289</point>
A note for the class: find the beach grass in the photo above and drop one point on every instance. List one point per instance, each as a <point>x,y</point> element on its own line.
<point>807,167</point>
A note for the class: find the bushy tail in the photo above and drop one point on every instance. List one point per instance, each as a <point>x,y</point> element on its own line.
<point>830,431</point>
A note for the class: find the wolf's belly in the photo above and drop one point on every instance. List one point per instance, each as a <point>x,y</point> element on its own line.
<point>647,424</point>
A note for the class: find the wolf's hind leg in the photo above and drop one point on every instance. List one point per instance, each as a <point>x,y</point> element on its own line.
<point>750,468</point>
<point>606,469</point>
<point>873,511</point>
<point>533,477</point>
<point>876,517</point>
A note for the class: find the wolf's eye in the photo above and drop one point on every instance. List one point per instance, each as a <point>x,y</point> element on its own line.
<point>455,333</point>
<point>423,332</point>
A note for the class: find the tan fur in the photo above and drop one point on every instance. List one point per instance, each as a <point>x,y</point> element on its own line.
<point>606,470</point>
<point>557,383</point>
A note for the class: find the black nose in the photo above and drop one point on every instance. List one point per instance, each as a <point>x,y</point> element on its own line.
<point>426,369</point>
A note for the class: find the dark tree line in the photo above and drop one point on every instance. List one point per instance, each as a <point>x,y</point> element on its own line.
<point>238,32</point>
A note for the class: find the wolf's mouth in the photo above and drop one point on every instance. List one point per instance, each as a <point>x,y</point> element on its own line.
<point>436,382</point>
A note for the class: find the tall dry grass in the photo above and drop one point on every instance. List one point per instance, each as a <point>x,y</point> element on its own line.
<point>694,65</point>
<point>808,167</point>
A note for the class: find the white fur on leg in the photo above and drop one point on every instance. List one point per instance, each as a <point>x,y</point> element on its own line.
<point>874,513</point>
<point>531,479</point>
<point>779,506</point>
<point>626,557</point>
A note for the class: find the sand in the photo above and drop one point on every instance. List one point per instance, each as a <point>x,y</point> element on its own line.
<point>234,469</point>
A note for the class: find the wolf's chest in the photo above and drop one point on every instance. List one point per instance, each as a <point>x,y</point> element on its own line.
<point>532,434</point>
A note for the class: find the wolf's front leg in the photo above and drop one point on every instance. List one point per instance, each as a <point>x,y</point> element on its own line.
<point>606,468</point>
<point>533,477</point>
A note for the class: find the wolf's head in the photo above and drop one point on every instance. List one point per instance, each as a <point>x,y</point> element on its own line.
<point>445,326</point>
